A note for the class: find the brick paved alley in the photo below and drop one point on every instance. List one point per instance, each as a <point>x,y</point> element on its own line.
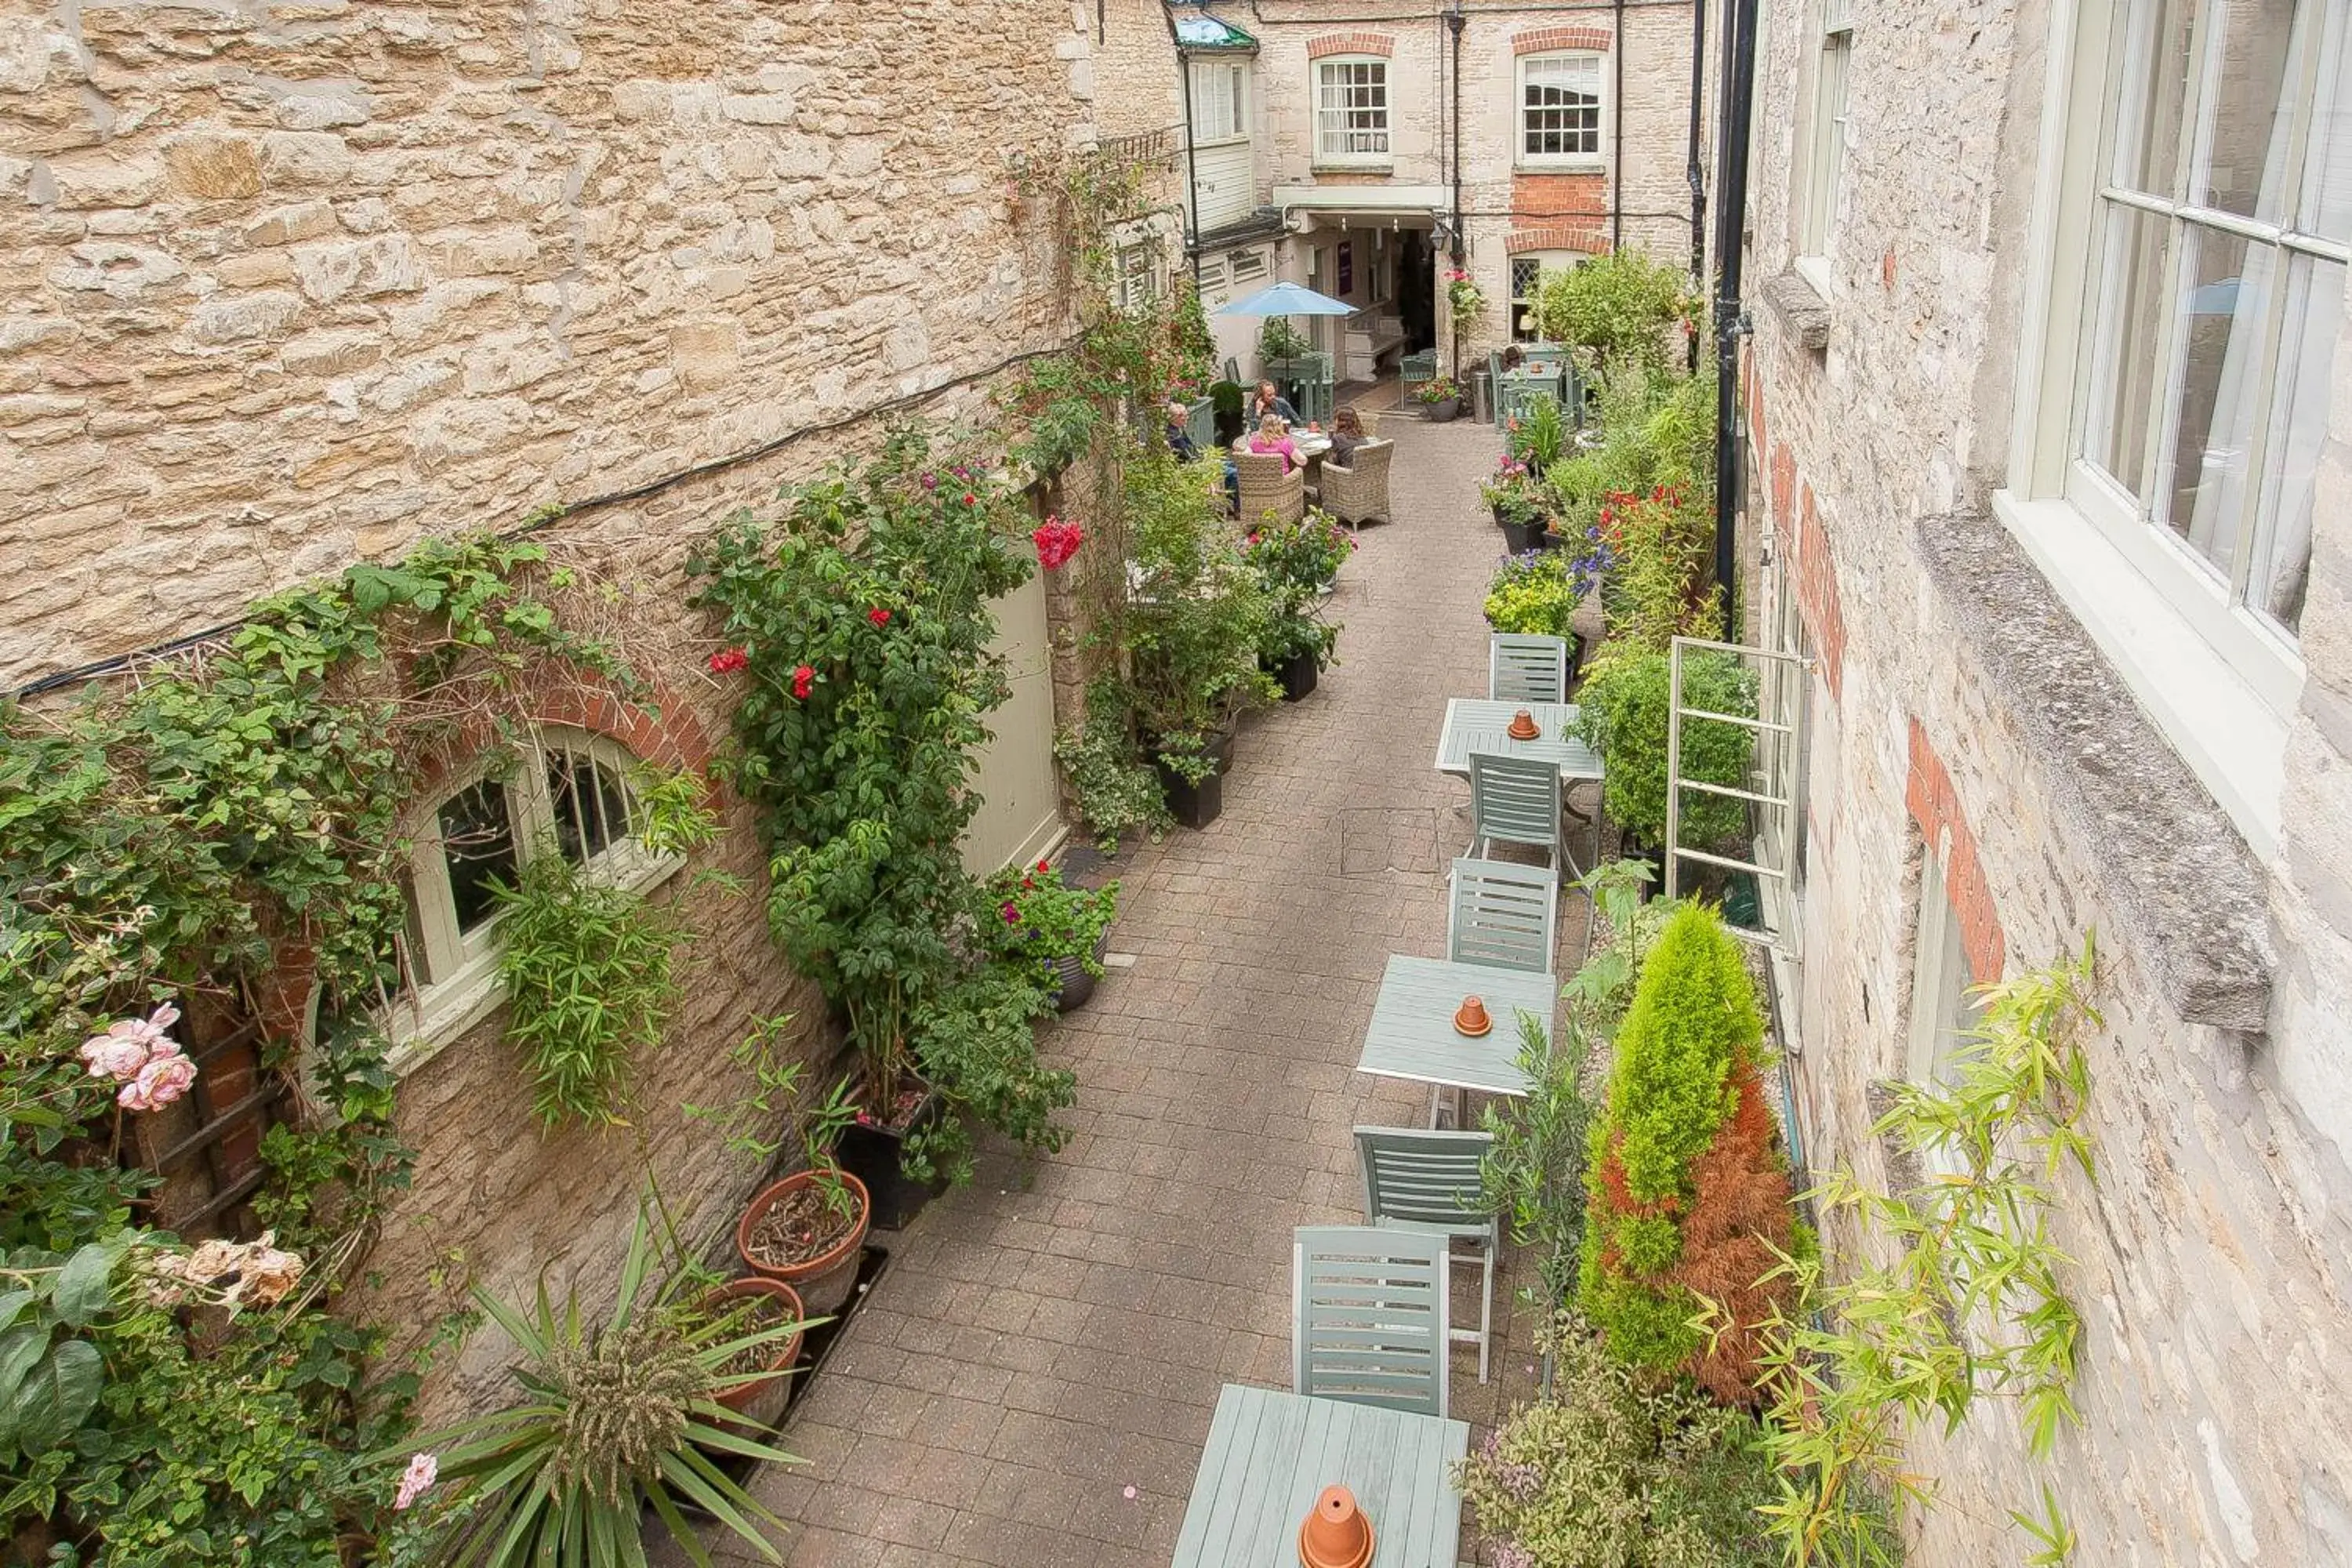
<point>1053,1335</point>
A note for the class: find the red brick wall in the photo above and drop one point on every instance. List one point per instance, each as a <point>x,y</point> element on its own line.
<point>1573,234</point>
<point>1540,39</point>
<point>1804,540</point>
<point>1936,808</point>
<point>1548,197</point>
<point>1350,44</point>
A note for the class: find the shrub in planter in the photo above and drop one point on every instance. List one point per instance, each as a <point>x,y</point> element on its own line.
<point>622,1413</point>
<point>1296,563</point>
<point>977,1039</point>
<point>1532,593</point>
<point>1031,918</point>
<point>1607,1469</point>
<point>1539,437</point>
<point>1685,1195</point>
<point>1623,314</point>
<point>1111,779</point>
<point>1623,714</point>
<point>1440,397</point>
<point>1511,493</point>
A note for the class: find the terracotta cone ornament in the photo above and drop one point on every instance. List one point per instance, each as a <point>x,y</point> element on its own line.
<point>1524,726</point>
<point>1471,1018</point>
<point>1337,1534</point>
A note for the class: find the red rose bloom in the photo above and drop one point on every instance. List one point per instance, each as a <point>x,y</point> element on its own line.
<point>803,682</point>
<point>727,660</point>
<point>880,618</point>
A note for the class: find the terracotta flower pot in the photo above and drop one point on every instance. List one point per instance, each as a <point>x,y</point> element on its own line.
<point>825,1280</point>
<point>1472,1017</point>
<point>1524,726</point>
<point>1337,1534</point>
<point>762,1402</point>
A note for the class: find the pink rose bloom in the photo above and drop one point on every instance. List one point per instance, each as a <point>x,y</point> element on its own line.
<point>162,1081</point>
<point>117,1054</point>
<point>421,1470</point>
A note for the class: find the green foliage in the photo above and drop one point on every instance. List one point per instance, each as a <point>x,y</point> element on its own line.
<point>1278,339</point>
<point>616,1419</point>
<point>1947,1295</point>
<point>1533,593</point>
<point>588,981</point>
<point>1296,563</point>
<point>1534,1172</point>
<point>1606,1471</point>
<point>1628,928</point>
<point>864,614</point>
<point>1694,1021</point>
<point>1539,437</point>
<point>1512,492</point>
<point>1114,787</point>
<point>50,1377</point>
<point>1662,548</point>
<point>1623,714</point>
<point>1437,389</point>
<point>1192,627</point>
<point>1617,311</point>
<point>1195,350</point>
<point>977,1044</point>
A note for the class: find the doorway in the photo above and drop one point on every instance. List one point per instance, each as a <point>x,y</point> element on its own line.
<point>1417,290</point>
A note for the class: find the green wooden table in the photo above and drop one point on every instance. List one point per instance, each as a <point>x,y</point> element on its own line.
<point>1412,1034</point>
<point>1270,1454</point>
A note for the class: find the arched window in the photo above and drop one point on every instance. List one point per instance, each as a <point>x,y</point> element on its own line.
<point>566,794</point>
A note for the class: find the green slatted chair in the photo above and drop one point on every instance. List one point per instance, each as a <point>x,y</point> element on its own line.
<point>1428,1183</point>
<point>1525,667</point>
<point>1516,800</point>
<point>1368,1317</point>
<point>1503,916</point>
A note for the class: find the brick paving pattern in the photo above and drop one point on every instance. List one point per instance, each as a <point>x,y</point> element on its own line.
<point>1055,1334</point>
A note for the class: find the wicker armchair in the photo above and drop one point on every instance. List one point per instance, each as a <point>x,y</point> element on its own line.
<point>1359,493</point>
<point>1265,487</point>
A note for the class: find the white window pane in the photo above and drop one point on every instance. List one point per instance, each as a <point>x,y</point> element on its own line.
<point>2155,87</point>
<point>2327,172</point>
<point>478,847</point>
<point>1829,141</point>
<point>2225,316</point>
<point>2244,167</point>
<point>2125,375</point>
<point>2281,563</point>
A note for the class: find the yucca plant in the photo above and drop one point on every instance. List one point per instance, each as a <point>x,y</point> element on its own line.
<point>614,1420</point>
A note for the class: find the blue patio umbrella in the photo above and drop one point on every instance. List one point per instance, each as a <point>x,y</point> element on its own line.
<point>1287,300</point>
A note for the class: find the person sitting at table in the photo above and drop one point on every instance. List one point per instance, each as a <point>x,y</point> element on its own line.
<point>1513,357</point>
<point>1269,401</point>
<point>1274,435</point>
<point>1179,437</point>
<point>1347,434</point>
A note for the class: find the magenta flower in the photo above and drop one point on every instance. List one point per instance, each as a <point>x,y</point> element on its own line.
<point>930,481</point>
<point>1012,915</point>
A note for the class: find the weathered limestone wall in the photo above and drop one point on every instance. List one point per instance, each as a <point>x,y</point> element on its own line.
<point>287,286</point>
<point>284,287</point>
<point>2211,1256</point>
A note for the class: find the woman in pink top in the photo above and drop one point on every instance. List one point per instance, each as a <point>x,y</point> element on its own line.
<point>1274,435</point>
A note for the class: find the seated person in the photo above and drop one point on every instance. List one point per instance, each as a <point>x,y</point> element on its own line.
<point>1274,435</point>
<point>1347,434</point>
<point>1514,357</point>
<point>1179,437</point>
<point>1268,401</point>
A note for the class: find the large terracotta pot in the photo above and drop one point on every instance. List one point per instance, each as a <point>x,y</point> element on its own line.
<point>762,1403</point>
<point>824,1281</point>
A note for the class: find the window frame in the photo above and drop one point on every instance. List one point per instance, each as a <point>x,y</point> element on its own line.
<point>1234,94</point>
<point>1325,157</point>
<point>1138,284</point>
<point>1943,1007</point>
<point>2218,679</point>
<point>1544,261</point>
<point>1825,137</point>
<point>1594,161</point>
<point>454,984</point>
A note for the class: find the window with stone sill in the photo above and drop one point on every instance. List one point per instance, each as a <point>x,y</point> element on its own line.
<point>1351,110</point>
<point>568,796</point>
<point>2191,237</point>
<point>1560,116</point>
<point>1527,270</point>
<point>1221,106</point>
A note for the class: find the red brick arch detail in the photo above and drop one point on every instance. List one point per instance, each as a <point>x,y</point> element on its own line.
<point>1380,44</point>
<point>1542,40</point>
<point>1935,805</point>
<point>1590,238</point>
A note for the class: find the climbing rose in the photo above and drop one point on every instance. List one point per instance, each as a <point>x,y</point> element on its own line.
<point>129,1043</point>
<point>728,659</point>
<point>970,499</point>
<point>880,618</point>
<point>421,1470</point>
<point>1044,865</point>
<point>1056,541</point>
<point>930,481</point>
<point>162,1081</point>
<point>803,682</point>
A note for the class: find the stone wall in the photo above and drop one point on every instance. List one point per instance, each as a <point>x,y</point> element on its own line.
<point>2212,1256</point>
<point>285,287</point>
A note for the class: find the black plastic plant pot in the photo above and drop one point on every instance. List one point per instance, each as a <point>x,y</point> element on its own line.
<point>1521,537</point>
<point>872,1153</point>
<point>1193,806</point>
<point>1297,674</point>
<point>1442,412</point>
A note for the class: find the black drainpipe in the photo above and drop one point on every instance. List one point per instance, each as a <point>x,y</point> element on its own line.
<point>1459,249</point>
<point>1191,167</point>
<point>1617,136</point>
<point>1735,108</point>
<point>1695,171</point>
